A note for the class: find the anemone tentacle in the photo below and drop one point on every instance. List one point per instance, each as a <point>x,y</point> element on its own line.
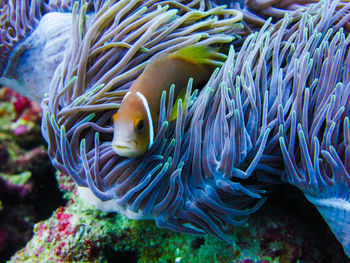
<point>257,12</point>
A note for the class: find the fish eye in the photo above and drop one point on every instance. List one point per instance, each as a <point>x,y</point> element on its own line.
<point>139,124</point>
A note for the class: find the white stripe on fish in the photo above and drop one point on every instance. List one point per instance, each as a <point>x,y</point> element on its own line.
<point>149,116</point>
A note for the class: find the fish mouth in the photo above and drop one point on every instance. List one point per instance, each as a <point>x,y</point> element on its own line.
<point>121,147</point>
<point>125,148</point>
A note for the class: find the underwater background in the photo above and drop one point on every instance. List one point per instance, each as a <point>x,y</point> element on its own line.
<point>268,136</point>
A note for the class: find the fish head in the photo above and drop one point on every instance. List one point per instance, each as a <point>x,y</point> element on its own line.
<point>131,136</point>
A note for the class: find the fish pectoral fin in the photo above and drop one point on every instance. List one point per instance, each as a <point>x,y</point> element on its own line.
<point>181,97</point>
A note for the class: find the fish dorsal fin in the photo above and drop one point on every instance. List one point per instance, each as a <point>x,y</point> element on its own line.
<point>200,54</point>
<point>195,54</point>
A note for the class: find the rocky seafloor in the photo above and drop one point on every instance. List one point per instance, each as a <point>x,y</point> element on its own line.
<point>43,220</point>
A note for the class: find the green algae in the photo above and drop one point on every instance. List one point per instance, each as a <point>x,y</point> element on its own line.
<point>18,179</point>
<point>80,233</point>
<point>7,116</point>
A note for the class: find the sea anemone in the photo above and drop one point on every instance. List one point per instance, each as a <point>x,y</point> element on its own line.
<point>309,65</point>
<point>197,177</point>
<point>308,73</point>
<point>183,184</point>
<point>33,37</point>
<point>256,12</point>
<point>314,131</point>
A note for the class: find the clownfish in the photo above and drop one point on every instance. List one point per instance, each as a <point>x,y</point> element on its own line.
<point>136,121</point>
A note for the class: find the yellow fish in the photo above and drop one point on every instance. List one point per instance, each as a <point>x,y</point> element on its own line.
<point>136,121</point>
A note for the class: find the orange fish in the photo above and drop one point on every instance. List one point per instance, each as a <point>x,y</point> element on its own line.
<point>136,121</point>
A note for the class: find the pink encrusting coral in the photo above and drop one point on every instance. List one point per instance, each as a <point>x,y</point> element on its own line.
<point>56,233</point>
